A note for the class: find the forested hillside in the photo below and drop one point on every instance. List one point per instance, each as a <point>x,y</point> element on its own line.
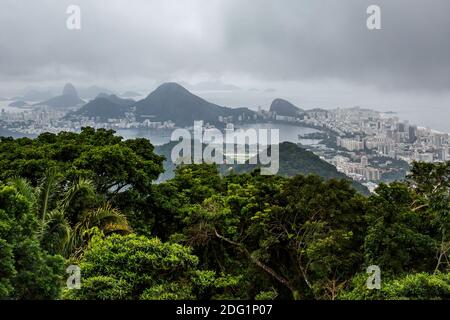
<point>293,160</point>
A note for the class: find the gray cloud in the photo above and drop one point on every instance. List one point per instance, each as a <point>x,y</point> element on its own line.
<point>141,42</point>
<point>300,40</point>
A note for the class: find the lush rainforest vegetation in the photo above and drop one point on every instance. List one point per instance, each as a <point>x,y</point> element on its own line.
<point>91,200</point>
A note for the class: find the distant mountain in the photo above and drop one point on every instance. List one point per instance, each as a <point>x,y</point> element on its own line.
<point>130,94</point>
<point>92,92</point>
<point>69,90</point>
<point>69,98</point>
<point>285,108</point>
<point>37,95</point>
<point>63,101</point>
<point>117,100</point>
<point>171,101</point>
<point>294,160</point>
<point>18,104</point>
<point>104,107</point>
<point>3,99</point>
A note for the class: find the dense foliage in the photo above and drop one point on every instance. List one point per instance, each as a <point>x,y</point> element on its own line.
<point>133,267</point>
<point>26,270</point>
<point>92,199</point>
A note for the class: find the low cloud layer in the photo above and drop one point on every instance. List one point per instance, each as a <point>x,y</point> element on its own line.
<point>253,43</point>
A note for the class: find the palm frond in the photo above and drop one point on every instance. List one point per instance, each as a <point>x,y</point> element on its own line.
<point>57,230</point>
<point>105,218</point>
<point>45,189</point>
<point>74,188</point>
<point>24,187</point>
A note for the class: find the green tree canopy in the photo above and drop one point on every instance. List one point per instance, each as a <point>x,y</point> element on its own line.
<point>26,271</point>
<point>113,164</point>
<point>135,267</point>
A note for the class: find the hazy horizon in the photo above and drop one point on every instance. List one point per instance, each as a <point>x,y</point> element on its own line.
<point>239,53</point>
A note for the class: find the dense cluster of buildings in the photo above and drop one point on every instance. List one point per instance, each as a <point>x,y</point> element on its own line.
<point>362,130</point>
<point>44,119</point>
<point>359,171</point>
<point>363,137</point>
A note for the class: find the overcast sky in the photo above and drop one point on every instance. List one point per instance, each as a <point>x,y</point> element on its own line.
<point>313,52</point>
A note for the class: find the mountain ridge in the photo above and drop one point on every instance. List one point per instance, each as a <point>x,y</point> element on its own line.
<point>68,98</point>
<point>104,107</point>
<point>171,101</point>
<point>285,108</point>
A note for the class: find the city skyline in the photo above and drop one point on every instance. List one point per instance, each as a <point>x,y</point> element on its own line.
<point>239,54</point>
